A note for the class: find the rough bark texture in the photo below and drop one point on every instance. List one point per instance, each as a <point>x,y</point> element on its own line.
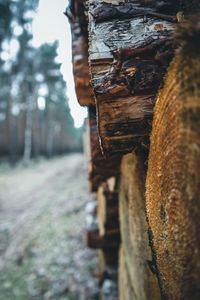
<point>173,182</point>
<point>76,13</point>
<point>134,231</point>
<point>129,50</point>
<point>100,167</point>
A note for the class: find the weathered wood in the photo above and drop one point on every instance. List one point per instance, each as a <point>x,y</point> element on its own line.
<point>76,13</point>
<point>108,277</point>
<point>128,60</point>
<point>108,206</point>
<point>108,264</point>
<point>109,241</point>
<point>100,167</point>
<point>134,231</point>
<point>173,181</point>
<point>125,287</point>
<point>108,222</point>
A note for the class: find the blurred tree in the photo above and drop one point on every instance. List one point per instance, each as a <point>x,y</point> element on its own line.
<point>34,113</point>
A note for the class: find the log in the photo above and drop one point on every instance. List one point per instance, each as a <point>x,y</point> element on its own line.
<point>100,167</point>
<point>173,181</point>
<point>108,206</point>
<point>108,220</point>
<point>125,287</point>
<point>108,278</point>
<point>130,47</point>
<point>76,13</point>
<point>109,241</point>
<point>134,231</point>
<point>108,262</point>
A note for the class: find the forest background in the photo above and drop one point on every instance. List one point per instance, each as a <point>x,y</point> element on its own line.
<point>35,118</point>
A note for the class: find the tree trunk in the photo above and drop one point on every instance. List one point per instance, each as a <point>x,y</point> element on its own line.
<point>36,132</point>
<point>11,131</point>
<point>28,130</point>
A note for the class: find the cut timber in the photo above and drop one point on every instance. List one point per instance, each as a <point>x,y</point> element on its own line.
<point>109,241</point>
<point>81,68</point>
<point>76,14</point>
<point>173,181</point>
<point>108,220</point>
<point>125,287</point>
<point>100,167</point>
<point>108,265</point>
<point>134,231</point>
<point>107,208</point>
<point>129,51</point>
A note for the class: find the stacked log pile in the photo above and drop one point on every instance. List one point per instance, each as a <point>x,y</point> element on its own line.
<point>136,253</point>
<point>103,172</point>
<point>148,231</point>
<point>128,59</point>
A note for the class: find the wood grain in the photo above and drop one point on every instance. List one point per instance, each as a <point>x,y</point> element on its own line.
<point>173,181</point>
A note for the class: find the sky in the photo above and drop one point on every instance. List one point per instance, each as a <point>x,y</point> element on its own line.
<point>51,24</point>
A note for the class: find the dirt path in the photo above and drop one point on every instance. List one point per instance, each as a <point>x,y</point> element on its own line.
<point>42,236</point>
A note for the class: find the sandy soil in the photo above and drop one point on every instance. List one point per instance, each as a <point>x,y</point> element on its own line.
<point>42,232</point>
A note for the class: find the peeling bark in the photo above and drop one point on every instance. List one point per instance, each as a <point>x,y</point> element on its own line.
<point>128,60</point>
<point>76,13</point>
<point>100,167</point>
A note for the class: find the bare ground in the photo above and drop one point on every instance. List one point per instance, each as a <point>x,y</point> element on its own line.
<point>42,232</point>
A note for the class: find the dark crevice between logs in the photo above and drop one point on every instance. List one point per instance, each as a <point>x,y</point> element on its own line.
<point>109,241</point>
<point>153,262</point>
<point>107,12</point>
<point>164,10</point>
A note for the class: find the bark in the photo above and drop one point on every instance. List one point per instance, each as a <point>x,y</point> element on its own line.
<point>173,181</point>
<point>129,53</point>
<point>100,167</point>
<point>28,131</point>
<point>11,132</point>
<point>76,13</point>
<point>36,132</point>
<point>49,129</point>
